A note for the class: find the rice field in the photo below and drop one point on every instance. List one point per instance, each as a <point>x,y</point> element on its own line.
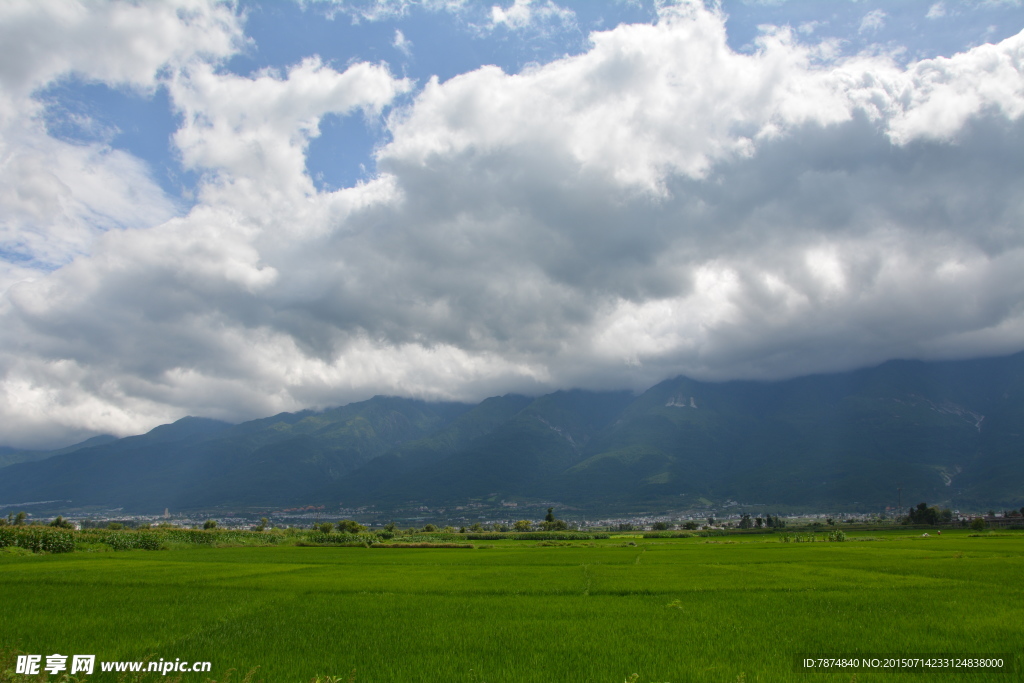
<point>623,609</point>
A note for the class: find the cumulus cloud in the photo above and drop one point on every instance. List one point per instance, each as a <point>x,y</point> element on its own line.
<point>56,197</point>
<point>659,204</point>
<point>251,133</point>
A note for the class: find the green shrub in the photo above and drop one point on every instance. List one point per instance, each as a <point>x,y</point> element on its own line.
<point>319,537</point>
<point>38,539</point>
<point>350,526</point>
<point>121,541</point>
<point>536,536</point>
<point>144,541</point>
<point>422,545</point>
<point>667,534</point>
<point>61,523</point>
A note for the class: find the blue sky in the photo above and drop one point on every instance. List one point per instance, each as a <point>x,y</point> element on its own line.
<point>235,209</point>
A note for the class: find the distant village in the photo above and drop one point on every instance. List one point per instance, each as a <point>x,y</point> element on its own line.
<point>477,516</point>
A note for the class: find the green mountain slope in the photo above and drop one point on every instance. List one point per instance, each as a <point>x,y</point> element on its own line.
<point>949,432</point>
<point>10,456</point>
<point>521,457</point>
<point>377,479</point>
<point>201,463</point>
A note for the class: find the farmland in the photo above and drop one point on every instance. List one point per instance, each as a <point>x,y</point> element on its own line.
<point>737,608</point>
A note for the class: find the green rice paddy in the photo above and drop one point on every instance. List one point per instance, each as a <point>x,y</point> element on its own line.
<point>693,609</point>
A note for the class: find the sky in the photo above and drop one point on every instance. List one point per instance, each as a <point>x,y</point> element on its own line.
<point>231,210</point>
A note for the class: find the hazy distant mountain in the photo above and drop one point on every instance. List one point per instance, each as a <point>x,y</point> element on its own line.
<point>946,432</point>
<point>10,456</point>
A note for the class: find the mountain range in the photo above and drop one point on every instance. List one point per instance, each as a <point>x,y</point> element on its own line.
<point>943,432</point>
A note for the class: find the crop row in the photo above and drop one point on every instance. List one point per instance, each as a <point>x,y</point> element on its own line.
<point>38,540</point>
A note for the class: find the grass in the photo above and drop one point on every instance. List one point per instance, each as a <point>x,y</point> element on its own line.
<point>666,609</point>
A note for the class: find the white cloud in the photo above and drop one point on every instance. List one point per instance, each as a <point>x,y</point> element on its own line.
<point>523,14</point>
<point>113,42</point>
<point>873,21</point>
<point>659,204</point>
<point>57,197</point>
<point>385,10</point>
<point>401,43</point>
<point>251,133</point>
<point>809,27</point>
<point>936,11</point>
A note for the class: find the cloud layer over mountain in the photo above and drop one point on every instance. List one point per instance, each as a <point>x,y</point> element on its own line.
<point>657,205</point>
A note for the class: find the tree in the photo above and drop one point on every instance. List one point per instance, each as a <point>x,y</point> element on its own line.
<point>477,527</point>
<point>117,526</point>
<point>350,526</point>
<point>19,519</point>
<point>523,525</point>
<point>745,522</point>
<point>62,523</point>
<point>759,522</point>
<point>325,527</point>
<point>923,514</point>
<point>391,527</point>
<point>210,524</point>
<point>978,524</point>
<point>262,526</point>
<point>690,526</point>
<point>428,528</point>
<point>660,526</point>
<point>552,524</point>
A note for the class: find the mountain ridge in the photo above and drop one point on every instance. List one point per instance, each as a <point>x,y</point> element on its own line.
<point>945,431</point>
